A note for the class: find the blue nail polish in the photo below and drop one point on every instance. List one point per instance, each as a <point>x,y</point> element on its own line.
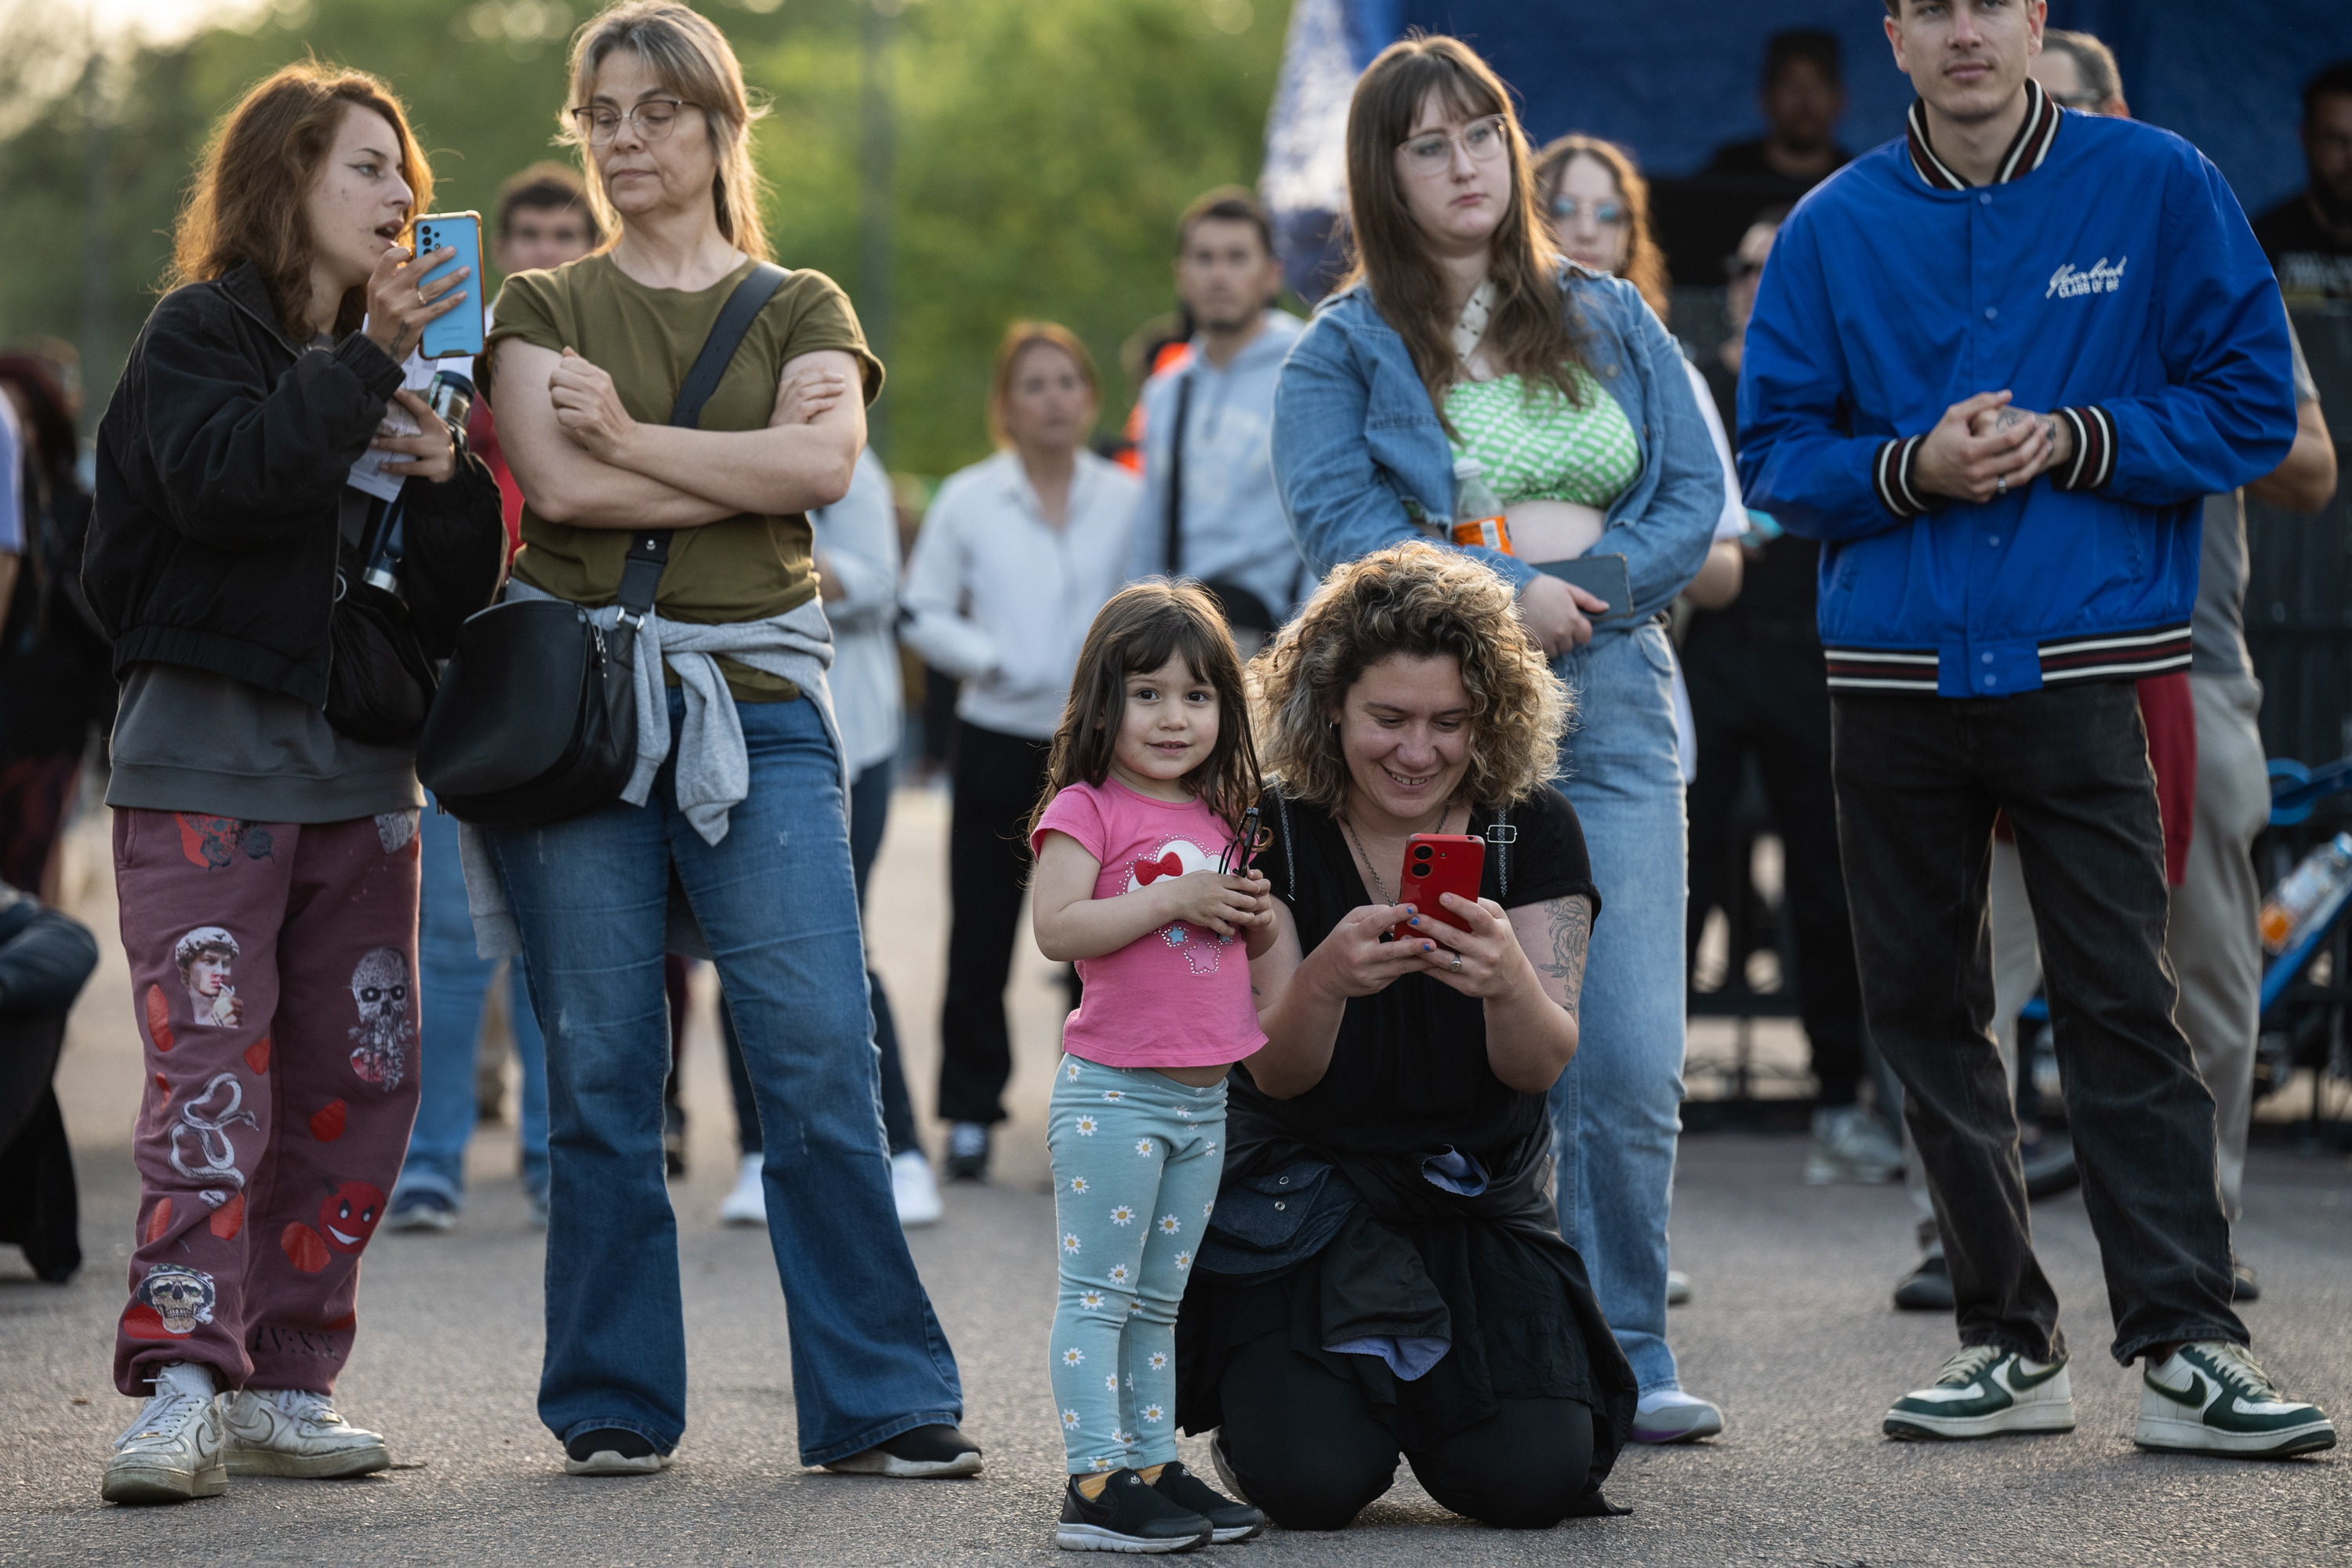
<point>1415,920</point>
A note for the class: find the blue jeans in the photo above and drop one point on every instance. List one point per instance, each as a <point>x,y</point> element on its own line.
<point>1616,1112</point>
<point>774,899</point>
<point>452,983</point>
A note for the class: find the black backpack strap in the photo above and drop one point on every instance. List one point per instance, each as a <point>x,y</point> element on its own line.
<point>641,571</point>
<point>1500,836</point>
<point>1174,564</point>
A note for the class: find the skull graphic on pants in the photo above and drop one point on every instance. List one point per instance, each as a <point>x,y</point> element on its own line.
<point>380,987</point>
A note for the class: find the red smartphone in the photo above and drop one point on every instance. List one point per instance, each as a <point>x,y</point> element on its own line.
<point>1436,863</point>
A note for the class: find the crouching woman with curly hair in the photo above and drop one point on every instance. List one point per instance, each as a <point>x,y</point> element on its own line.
<point>1382,1272</point>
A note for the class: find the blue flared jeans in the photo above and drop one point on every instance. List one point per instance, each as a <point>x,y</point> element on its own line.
<point>775,901</point>
<point>1617,1111</point>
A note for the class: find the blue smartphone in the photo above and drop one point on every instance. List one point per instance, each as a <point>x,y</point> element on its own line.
<point>460,331</point>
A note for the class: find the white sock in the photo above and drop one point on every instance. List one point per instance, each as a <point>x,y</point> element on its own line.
<point>191,1379</point>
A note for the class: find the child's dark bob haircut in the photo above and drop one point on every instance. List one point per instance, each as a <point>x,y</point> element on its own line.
<point>1145,623</point>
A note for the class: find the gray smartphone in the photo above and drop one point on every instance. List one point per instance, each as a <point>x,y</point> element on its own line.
<point>1603,576</point>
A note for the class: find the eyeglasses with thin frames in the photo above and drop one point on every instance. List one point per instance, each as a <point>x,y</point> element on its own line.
<point>1608,214</point>
<point>654,119</point>
<point>1430,154</point>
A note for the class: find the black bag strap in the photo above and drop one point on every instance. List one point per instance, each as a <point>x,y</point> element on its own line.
<point>641,570</point>
<point>1175,520</point>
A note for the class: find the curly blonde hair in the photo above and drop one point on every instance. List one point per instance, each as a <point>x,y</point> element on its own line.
<point>1412,598</point>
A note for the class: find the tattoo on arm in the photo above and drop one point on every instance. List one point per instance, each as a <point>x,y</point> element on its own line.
<point>1572,934</point>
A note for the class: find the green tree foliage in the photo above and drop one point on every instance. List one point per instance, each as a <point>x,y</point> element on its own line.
<point>1042,154</point>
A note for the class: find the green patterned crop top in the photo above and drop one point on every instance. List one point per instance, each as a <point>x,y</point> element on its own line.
<point>1545,448</point>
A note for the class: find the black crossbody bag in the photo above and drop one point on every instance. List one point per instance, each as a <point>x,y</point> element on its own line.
<point>536,719</point>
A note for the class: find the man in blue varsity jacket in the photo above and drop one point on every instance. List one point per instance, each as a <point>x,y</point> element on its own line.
<point>1995,366</point>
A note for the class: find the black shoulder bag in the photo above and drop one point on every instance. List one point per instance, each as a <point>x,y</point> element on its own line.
<point>1249,616</point>
<point>537,716</point>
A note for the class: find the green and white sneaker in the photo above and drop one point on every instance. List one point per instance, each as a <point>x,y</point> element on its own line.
<point>2211,1398</point>
<point>1985,1391</point>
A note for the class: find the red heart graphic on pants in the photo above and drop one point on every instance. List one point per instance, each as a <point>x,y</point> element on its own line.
<point>305,1249</point>
<point>164,1091</point>
<point>142,1322</point>
<point>159,1220</point>
<point>257,1055</point>
<point>229,1218</point>
<point>158,1018</point>
<point>328,1124</point>
<point>345,1323</point>
<point>1149,871</point>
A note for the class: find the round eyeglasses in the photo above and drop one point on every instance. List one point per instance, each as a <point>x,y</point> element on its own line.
<point>654,119</point>
<point>1430,154</point>
<point>1608,214</point>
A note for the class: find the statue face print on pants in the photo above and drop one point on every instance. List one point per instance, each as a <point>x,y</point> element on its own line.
<point>206,958</point>
<point>380,987</point>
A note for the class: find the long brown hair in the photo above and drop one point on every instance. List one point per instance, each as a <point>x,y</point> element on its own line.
<point>1644,266</point>
<point>1529,331</point>
<point>691,57</point>
<point>248,204</point>
<point>1143,625</point>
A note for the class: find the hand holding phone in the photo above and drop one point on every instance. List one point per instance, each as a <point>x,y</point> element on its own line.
<point>458,331</point>
<point>1436,863</point>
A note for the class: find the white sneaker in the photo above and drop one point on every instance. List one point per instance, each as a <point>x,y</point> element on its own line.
<point>294,1432</point>
<point>747,1203</point>
<point>2211,1398</point>
<point>173,1451</point>
<point>1851,1144</point>
<point>1678,1287</point>
<point>1984,1391</point>
<point>1670,1416</point>
<point>913,1189</point>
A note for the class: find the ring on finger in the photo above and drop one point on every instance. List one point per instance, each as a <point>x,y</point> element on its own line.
<point>1454,967</point>
<point>2001,486</point>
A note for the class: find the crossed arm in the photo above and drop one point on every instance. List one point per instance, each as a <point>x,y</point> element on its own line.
<point>583,459</point>
<point>1526,966</point>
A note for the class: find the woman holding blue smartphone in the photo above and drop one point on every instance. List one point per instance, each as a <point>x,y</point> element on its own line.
<point>1464,334</point>
<point>263,780</point>
<point>746,812</point>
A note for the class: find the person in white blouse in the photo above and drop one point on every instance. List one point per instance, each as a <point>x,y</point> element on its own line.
<point>1015,558</point>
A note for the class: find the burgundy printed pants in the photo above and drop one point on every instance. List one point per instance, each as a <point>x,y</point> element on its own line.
<point>272,972</point>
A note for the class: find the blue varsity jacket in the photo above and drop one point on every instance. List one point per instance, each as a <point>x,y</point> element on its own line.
<point>2106,274</point>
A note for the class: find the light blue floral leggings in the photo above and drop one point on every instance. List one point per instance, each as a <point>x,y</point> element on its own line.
<point>1136,1163</point>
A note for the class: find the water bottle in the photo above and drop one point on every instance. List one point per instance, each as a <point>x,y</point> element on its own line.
<point>2309,891</point>
<point>1477,515</point>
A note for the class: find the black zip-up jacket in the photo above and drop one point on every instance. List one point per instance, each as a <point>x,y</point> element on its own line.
<point>221,462</point>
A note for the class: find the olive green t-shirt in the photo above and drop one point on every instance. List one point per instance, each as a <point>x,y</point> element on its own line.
<point>745,568</point>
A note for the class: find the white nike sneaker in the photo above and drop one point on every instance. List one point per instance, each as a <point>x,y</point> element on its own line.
<point>2211,1398</point>
<point>747,1203</point>
<point>1984,1391</point>
<point>293,1432</point>
<point>914,1190</point>
<point>173,1452</point>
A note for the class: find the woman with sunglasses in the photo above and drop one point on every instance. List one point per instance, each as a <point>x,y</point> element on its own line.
<point>1462,333</point>
<point>745,815</point>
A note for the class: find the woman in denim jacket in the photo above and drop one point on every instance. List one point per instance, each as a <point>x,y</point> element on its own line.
<point>1573,396</point>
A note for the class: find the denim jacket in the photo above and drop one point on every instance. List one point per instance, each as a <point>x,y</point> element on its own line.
<point>1361,461</point>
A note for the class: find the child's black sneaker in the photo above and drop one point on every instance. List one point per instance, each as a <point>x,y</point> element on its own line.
<point>1130,1516</point>
<point>1229,1520</point>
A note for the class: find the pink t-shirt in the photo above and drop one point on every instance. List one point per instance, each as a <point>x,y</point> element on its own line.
<point>1179,996</point>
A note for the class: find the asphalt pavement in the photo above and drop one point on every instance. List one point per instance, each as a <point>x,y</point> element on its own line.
<point>1792,1331</point>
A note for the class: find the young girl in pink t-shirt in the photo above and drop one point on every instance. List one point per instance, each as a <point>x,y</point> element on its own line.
<point>1142,847</point>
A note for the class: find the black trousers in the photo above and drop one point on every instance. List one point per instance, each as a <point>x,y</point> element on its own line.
<point>1773,700</point>
<point>1918,782</point>
<point>1307,1449</point>
<point>997,778</point>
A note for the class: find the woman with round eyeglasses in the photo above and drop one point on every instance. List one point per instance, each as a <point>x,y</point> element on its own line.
<point>744,816</point>
<point>1462,333</point>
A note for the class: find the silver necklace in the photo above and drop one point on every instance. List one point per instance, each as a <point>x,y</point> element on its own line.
<point>1379,886</point>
